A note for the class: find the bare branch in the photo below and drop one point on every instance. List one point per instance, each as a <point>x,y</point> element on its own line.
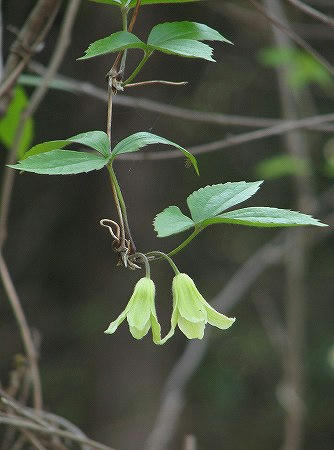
<point>231,141</point>
<point>24,330</point>
<point>294,37</point>
<point>152,82</point>
<point>309,10</point>
<point>23,423</point>
<point>83,87</point>
<point>28,40</point>
<point>6,191</point>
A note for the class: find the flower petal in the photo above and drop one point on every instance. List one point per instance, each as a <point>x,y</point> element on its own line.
<point>156,329</point>
<point>140,333</point>
<point>218,320</point>
<point>116,323</point>
<point>188,299</point>
<point>173,323</point>
<point>142,299</point>
<point>190,329</point>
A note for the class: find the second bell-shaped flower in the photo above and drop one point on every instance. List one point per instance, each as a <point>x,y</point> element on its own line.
<point>191,312</point>
<point>140,312</point>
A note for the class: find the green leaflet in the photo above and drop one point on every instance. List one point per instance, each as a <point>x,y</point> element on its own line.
<point>98,140</point>
<point>114,43</point>
<point>265,217</point>
<point>10,122</point>
<point>212,200</point>
<point>207,204</point>
<point>178,38</point>
<point>171,221</point>
<point>139,140</point>
<point>61,162</point>
<point>182,38</point>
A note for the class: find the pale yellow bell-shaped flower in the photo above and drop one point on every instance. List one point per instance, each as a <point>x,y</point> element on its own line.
<point>191,312</point>
<point>140,312</point>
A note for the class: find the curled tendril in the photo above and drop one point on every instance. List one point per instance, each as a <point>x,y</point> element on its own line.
<point>115,232</point>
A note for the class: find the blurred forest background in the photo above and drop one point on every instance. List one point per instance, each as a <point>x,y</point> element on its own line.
<point>266,383</point>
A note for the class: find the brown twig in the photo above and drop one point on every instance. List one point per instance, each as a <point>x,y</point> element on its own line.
<point>83,87</point>
<point>312,12</point>
<point>24,330</point>
<point>26,424</point>
<point>32,34</point>
<point>294,37</point>
<point>231,141</point>
<point>295,263</point>
<point>153,82</point>
<point>7,186</point>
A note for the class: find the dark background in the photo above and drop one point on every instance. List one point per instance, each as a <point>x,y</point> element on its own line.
<point>64,267</point>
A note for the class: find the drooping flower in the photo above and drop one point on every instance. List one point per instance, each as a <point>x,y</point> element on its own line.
<point>140,312</point>
<point>191,312</point>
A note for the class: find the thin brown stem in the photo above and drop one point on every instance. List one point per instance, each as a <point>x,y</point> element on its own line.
<point>62,44</point>
<point>134,16</point>
<point>33,32</point>
<point>7,187</point>
<point>312,12</point>
<point>153,82</point>
<point>294,37</point>
<point>22,423</point>
<point>26,335</point>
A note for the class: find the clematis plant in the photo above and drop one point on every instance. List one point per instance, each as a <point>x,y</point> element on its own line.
<point>209,205</point>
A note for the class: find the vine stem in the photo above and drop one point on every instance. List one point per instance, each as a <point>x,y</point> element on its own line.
<point>138,68</point>
<point>26,335</point>
<point>121,204</point>
<point>167,258</point>
<point>118,206</point>
<point>186,242</point>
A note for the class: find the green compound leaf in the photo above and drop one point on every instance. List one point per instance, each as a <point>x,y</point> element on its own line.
<point>10,122</point>
<point>61,162</point>
<point>114,43</point>
<point>182,38</point>
<point>139,140</point>
<point>210,201</point>
<point>171,221</point>
<point>207,203</point>
<point>98,140</point>
<point>265,217</point>
<point>144,2</point>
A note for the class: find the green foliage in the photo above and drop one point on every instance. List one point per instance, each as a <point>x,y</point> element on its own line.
<point>183,39</point>
<point>281,165</point>
<point>10,122</point>
<point>207,203</point>
<point>139,140</point>
<point>177,38</point>
<point>265,217</point>
<point>303,68</point>
<point>143,2</point>
<point>61,162</point>
<point>58,162</point>
<point>98,140</point>
<point>113,43</point>
<point>172,221</point>
<point>212,200</point>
